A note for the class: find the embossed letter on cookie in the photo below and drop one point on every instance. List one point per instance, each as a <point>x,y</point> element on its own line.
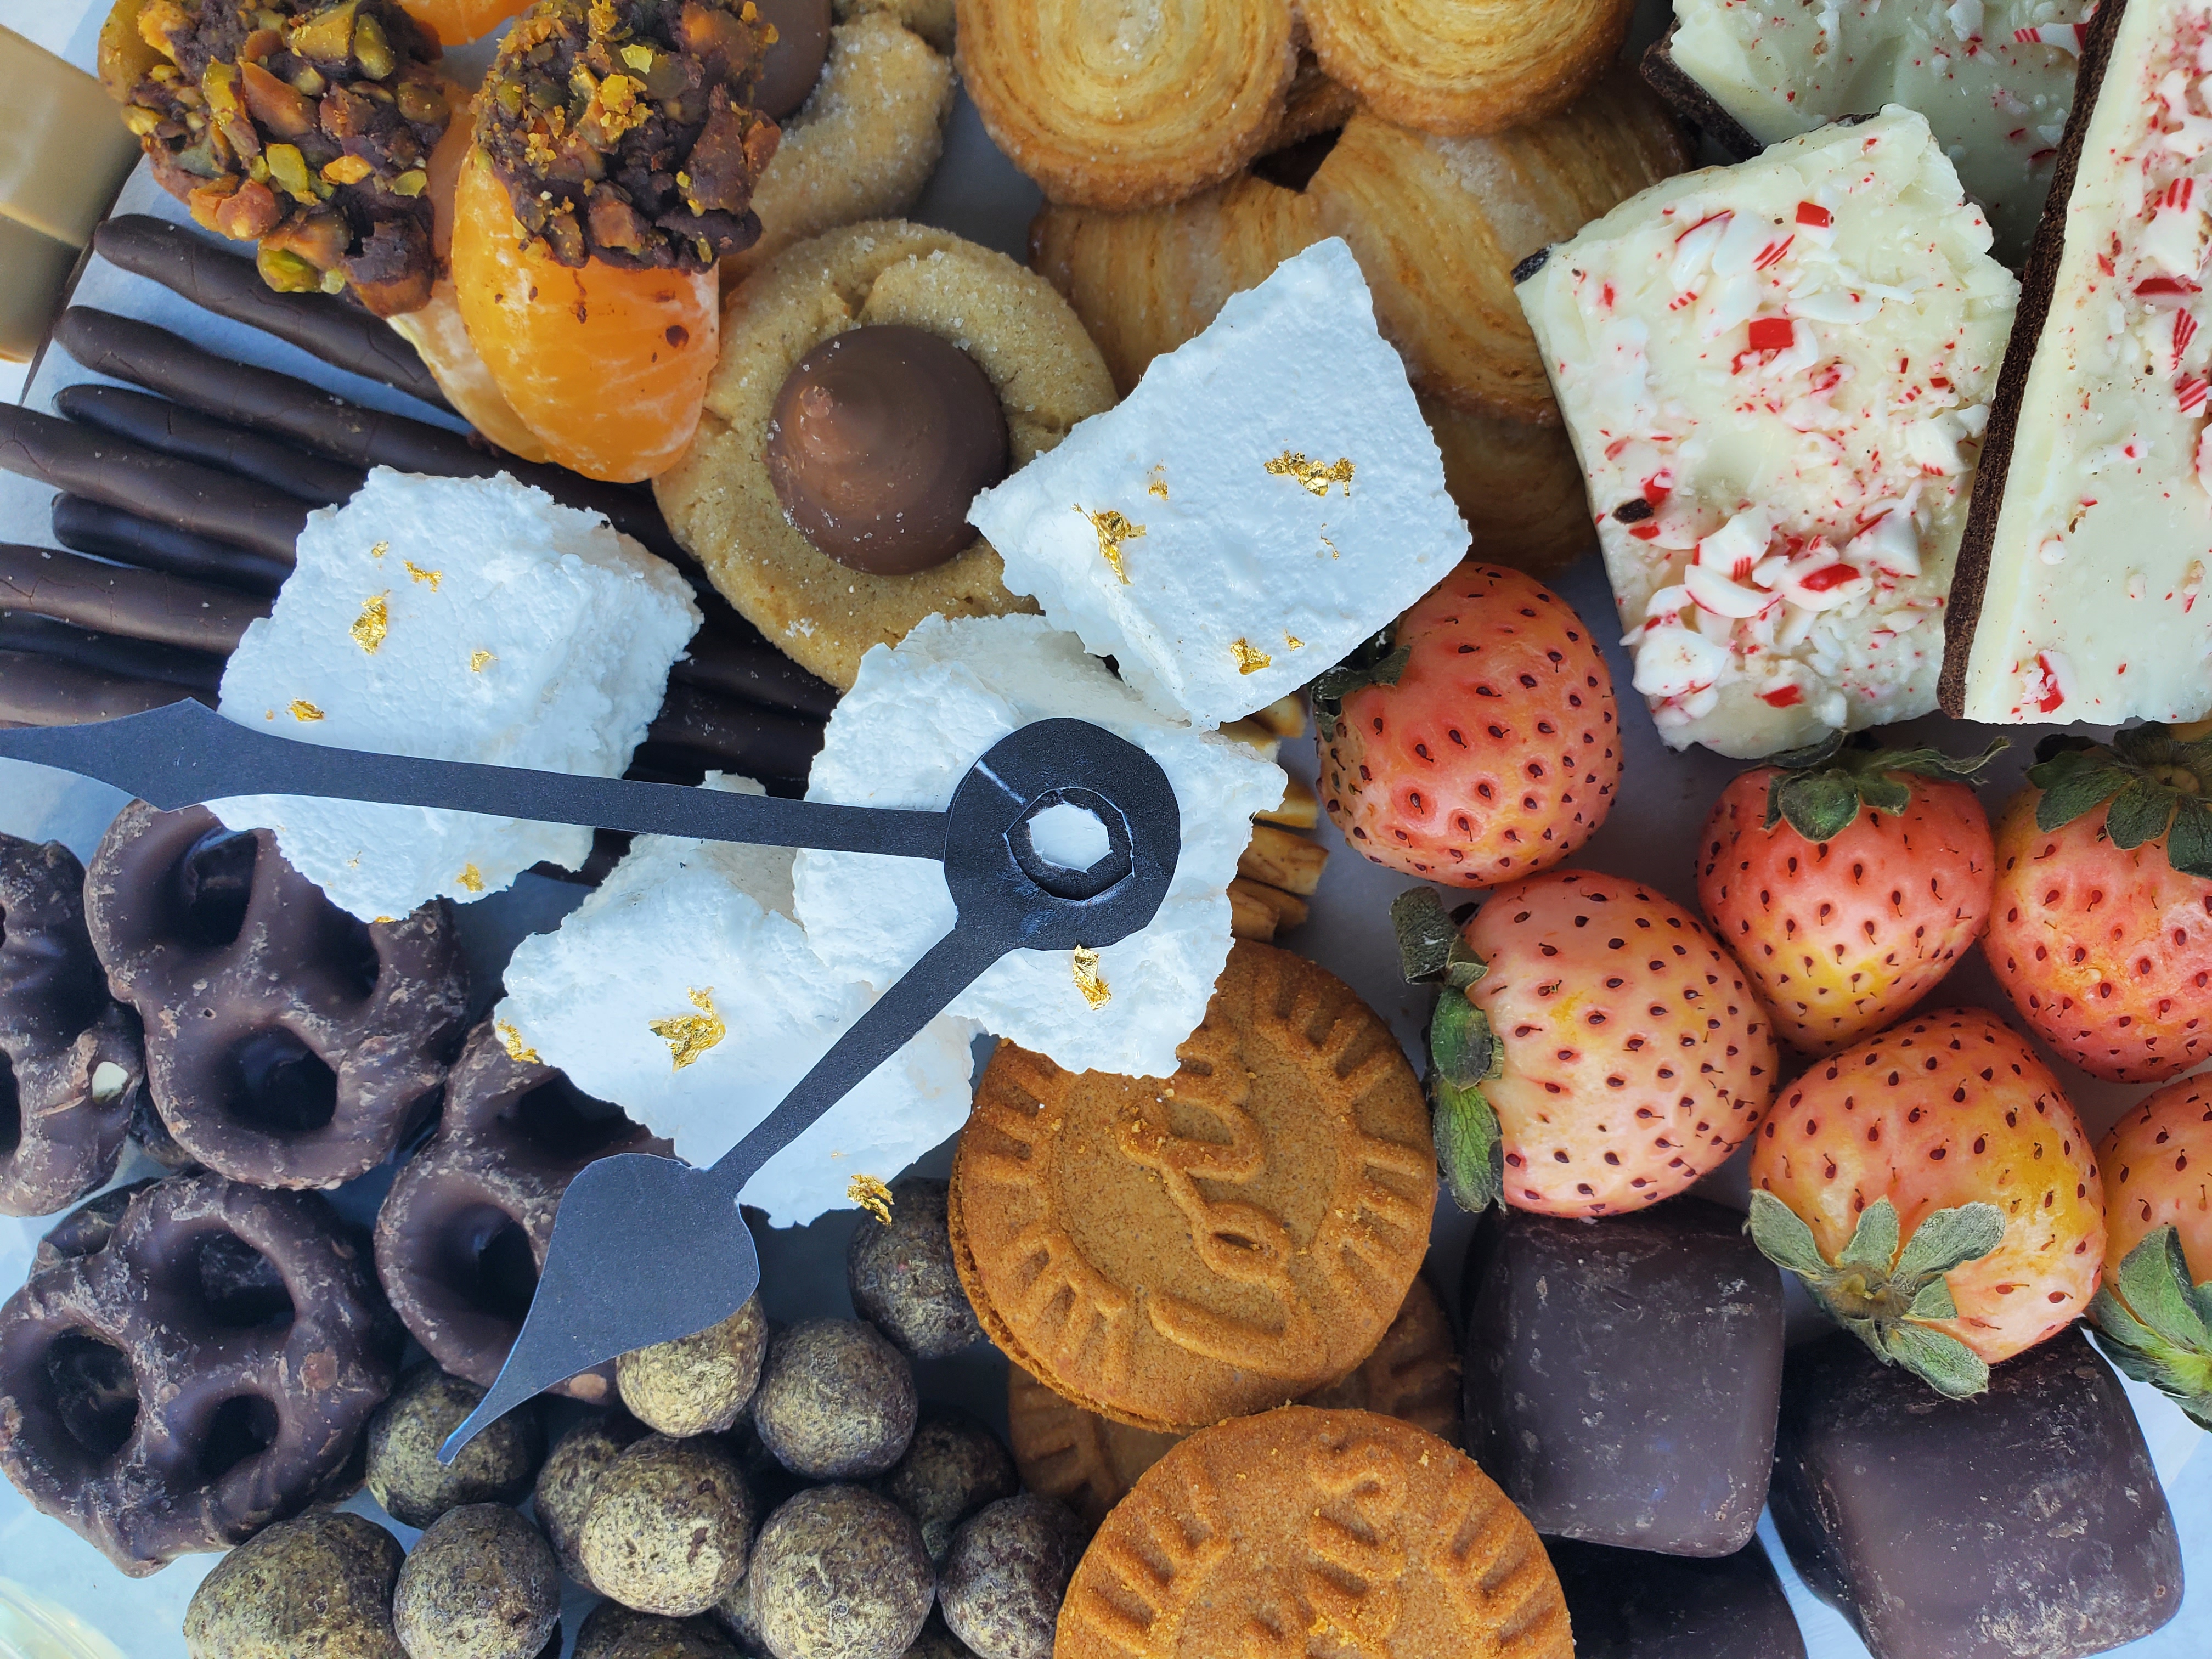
<point>1168,1252</point>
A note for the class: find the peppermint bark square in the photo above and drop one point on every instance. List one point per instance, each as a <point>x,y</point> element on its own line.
<point>2084,559</point>
<point>1776,376</point>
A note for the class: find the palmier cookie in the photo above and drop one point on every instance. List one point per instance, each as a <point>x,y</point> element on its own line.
<point>1168,1252</point>
<point>286,1043</point>
<point>72,1068</point>
<point>1306,1531</point>
<point>1090,1463</point>
<point>862,92</point>
<point>1146,283</point>
<point>871,380</point>
<point>1466,66</point>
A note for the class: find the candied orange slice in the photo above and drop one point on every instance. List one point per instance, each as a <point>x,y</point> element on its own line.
<point>608,367</point>
<point>460,22</point>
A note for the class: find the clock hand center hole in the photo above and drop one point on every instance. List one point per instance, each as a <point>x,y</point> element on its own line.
<point>1072,843</point>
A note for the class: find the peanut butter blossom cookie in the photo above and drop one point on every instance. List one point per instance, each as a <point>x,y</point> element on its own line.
<point>1167,1252</point>
<point>1306,1531</point>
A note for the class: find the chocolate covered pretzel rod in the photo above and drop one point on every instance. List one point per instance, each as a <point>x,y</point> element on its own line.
<point>188,265</point>
<point>735,737</point>
<point>69,457</point>
<point>41,690</point>
<point>137,605</point>
<point>195,671</point>
<point>109,532</point>
<point>189,436</point>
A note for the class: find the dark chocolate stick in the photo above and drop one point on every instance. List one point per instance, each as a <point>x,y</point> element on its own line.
<point>65,456</point>
<point>726,660</point>
<point>736,737</point>
<point>191,436</point>
<point>108,533</point>
<point>124,349</point>
<point>36,690</point>
<point>110,653</point>
<point>137,604</point>
<point>320,325</point>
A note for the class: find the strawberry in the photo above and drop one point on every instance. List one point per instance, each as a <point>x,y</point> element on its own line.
<point>1947,1133</point>
<point>2101,932</point>
<point>1476,741</point>
<point>1847,882</point>
<point>2154,1318</point>
<point>1595,1049</point>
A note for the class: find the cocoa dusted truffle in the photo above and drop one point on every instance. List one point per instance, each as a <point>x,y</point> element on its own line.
<point>878,442</point>
<point>405,1475</point>
<point>72,1069</point>
<point>953,1467</point>
<point>251,1607</point>
<point>288,1044</point>
<point>623,130</point>
<point>572,1475</point>
<point>206,1369</point>
<point>902,1279</point>
<point>840,1573</point>
<point>697,1384</point>
<point>302,125</point>
<point>461,1233</point>
<point>668,1528</point>
<point>480,1584</point>
<point>1008,1574</point>
<point>836,1402</point>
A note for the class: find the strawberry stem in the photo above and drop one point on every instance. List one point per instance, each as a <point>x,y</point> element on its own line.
<point>1885,1295</point>
<point>2155,1326</point>
<point>1464,1053</point>
<point>2156,778</point>
<point>1819,790</point>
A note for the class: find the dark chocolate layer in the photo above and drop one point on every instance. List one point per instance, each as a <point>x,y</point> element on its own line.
<point>175,430</point>
<point>109,532</point>
<point>1692,102</point>
<point>137,605</point>
<point>195,672</point>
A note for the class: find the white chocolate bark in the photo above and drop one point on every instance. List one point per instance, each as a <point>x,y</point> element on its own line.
<point>1776,376</point>
<point>1994,78</point>
<point>2097,557</point>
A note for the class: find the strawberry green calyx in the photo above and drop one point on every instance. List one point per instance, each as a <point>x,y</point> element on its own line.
<point>1820,789</point>
<point>2157,779</point>
<point>2158,1328</point>
<point>1377,662</point>
<point>1885,1297</point>
<point>1464,1053</point>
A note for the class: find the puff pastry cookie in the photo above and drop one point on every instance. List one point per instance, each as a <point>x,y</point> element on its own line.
<point>1466,66</point>
<point>719,499</point>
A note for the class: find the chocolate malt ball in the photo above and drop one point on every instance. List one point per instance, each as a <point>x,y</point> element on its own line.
<point>953,1468</point>
<point>1008,1574</point>
<point>840,1573</point>
<point>612,1631</point>
<point>572,1474</point>
<point>903,1277</point>
<point>405,1475</point>
<point>669,1526</point>
<point>734,1612</point>
<point>320,1584</point>
<point>936,1642</point>
<point>480,1584</point>
<point>696,1384</point>
<point>836,1400</point>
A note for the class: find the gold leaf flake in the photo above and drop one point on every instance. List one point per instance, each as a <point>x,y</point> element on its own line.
<point>872,1195</point>
<point>479,659</point>
<point>517,1050</point>
<point>689,1036</point>
<point>1113,529</point>
<point>1331,546</point>
<point>303,711</point>
<point>433,577</point>
<point>1313,477</point>
<point>471,878</point>
<point>1089,980</point>
<point>380,549</point>
<point>1248,661</point>
<point>1292,641</point>
<point>1159,484</point>
<point>373,624</point>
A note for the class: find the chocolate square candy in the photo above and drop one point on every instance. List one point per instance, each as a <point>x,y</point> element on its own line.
<point>1622,1374</point>
<point>1635,1604</point>
<point>2025,1524</point>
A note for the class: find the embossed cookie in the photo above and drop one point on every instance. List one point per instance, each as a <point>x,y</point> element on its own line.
<point>1170,1251</point>
<point>862,439</point>
<point>1308,1532</point>
<point>1090,1463</point>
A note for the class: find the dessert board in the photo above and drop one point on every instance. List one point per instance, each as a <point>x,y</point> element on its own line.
<point>1650,836</point>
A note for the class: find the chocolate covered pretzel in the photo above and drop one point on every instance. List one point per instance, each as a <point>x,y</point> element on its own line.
<point>464,1228</point>
<point>286,1043</point>
<point>71,1066</point>
<point>175,1378</point>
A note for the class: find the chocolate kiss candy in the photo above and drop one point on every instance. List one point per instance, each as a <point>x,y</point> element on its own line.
<point>793,63</point>
<point>880,439</point>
